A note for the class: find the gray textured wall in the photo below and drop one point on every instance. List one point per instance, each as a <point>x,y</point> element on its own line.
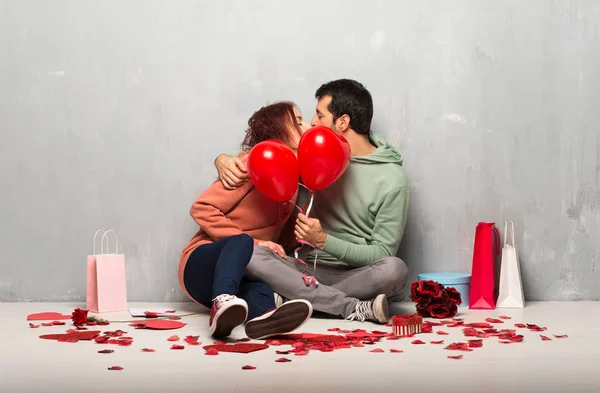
<point>111,114</point>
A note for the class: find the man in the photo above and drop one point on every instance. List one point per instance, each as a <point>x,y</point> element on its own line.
<point>356,224</point>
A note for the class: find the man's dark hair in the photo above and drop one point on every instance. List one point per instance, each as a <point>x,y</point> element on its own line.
<point>348,97</point>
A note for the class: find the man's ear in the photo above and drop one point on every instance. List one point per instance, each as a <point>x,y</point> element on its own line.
<point>343,123</point>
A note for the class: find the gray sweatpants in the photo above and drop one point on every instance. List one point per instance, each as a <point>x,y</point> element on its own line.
<point>340,287</point>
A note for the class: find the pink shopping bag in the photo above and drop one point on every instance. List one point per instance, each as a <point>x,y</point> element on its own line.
<point>106,281</point>
<point>482,291</point>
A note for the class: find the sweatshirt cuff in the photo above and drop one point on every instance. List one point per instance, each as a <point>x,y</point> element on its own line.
<point>334,246</point>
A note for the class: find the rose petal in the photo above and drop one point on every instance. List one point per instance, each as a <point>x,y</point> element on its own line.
<point>282,352</point>
<point>150,314</point>
<point>31,325</point>
<point>479,325</point>
<point>106,351</point>
<point>243,340</point>
<point>115,368</point>
<point>192,340</point>
<point>333,329</point>
<point>396,350</point>
<point>442,333</point>
<point>457,357</point>
<point>148,350</point>
<point>437,342</point>
<point>170,312</point>
<point>504,317</point>
<point>58,323</point>
<point>47,324</point>
<point>283,360</point>
<point>211,352</point>
<point>492,320</point>
<point>173,338</point>
<point>520,325</point>
<point>561,336</point>
<point>176,346</point>
<point>377,350</point>
<point>535,328</point>
<point>545,338</point>
<point>418,342</point>
<point>248,367</point>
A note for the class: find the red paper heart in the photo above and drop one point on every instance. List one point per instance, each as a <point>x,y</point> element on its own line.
<point>83,335</point>
<point>238,348</point>
<point>47,316</point>
<point>160,324</point>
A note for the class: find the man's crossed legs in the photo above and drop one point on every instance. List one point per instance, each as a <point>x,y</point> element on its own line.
<point>343,291</point>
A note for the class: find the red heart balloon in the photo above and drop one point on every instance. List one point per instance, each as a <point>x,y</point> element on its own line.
<point>273,169</point>
<point>323,156</point>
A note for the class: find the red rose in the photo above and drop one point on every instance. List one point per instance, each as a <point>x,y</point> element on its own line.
<point>453,295</point>
<point>422,311</point>
<point>453,310</point>
<point>430,288</point>
<point>79,317</point>
<point>439,310</point>
<point>415,295</point>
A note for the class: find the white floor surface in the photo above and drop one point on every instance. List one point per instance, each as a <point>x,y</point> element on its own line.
<point>29,364</point>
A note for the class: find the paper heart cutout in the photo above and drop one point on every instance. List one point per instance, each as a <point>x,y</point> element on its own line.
<point>238,348</point>
<point>47,316</point>
<point>83,335</point>
<point>363,334</point>
<point>289,339</point>
<point>160,324</point>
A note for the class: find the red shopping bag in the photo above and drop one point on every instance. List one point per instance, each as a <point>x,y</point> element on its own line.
<point>483,281</point>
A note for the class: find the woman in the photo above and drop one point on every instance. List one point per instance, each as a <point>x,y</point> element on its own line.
<point>232,223</point>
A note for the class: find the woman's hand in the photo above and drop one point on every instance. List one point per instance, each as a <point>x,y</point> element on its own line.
<point>232,171</point>
<point>276,248</point>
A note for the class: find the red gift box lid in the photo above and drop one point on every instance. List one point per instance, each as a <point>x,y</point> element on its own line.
<point>408,319</point>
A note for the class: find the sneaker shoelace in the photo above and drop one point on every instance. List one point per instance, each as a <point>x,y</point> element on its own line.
<point>362,312</point>
<point>222,299</point>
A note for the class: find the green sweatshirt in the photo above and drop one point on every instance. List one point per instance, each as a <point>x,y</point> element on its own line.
<point>364,211</point>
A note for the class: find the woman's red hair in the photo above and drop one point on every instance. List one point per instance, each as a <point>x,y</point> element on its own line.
<point>271,122</point>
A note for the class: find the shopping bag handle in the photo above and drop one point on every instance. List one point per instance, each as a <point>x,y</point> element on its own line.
<point>96,235</point>
<point>107,246</point>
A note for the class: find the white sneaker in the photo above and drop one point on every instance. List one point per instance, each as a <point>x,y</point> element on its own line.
<point>281,320</point>
<point>376,310</point>
<point>227,312</point>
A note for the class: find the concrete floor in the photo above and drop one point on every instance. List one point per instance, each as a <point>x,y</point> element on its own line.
<point>29,364</point>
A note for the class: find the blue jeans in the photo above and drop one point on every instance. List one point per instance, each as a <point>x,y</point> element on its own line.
<point>218,268</point>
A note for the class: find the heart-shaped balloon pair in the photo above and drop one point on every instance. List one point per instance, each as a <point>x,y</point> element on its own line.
<point>323,156</point>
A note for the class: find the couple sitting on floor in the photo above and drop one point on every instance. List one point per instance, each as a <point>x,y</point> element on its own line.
<point>238,259</point>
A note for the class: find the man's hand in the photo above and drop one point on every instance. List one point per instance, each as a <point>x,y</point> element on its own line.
<point>232,171</point>
<point>310,230</point>
<point>276,248</point>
